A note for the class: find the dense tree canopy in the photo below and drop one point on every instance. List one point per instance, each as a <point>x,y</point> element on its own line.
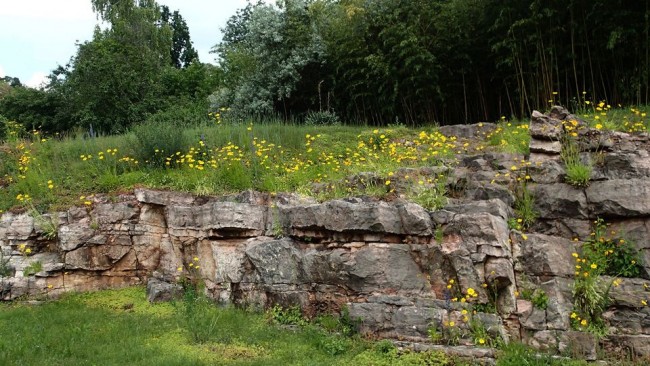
<point>450,61</point>
<point>367,61</point>
<point>142,63</point>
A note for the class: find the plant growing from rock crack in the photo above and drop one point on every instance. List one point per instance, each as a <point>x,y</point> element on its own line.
<point>481,334</point>
<point>524,206</point>
<point>462,325</point>
<point>439,234</point>
<point>602,255</point>
<point>492,293</point>
<point>432,196</point>
<point>616,255</point>
<point>49,225</point>
<point>5,268</point>
<point>277,229</point>
<point>537,297</point>
<point>578,173</point>
<point>33,268</point>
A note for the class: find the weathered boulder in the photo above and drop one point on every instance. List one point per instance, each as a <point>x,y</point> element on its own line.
<point>545,147</point>
<point>468,131</point>
<point>164,198</point>
<point>342,216</point>
<point>633,345</point>
<point>228,219</point>
<point>386,268</point>
<point>115,213</point>
<point>495,207</point>
<point>619,198</point>
<point>546,256</point>
<point>547,172</point>
<point>415,219</point>
<point>554,201</point>
<point>160,291</point>
<point>580,344</point>
<point>16,227</point>
<point>75,234</point>
<point>276,262</point>
<point>545,127</point>
<point>625,165</point>
<point>101,257</point>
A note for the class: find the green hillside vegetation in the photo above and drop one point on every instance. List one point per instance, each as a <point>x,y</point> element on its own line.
<point>49,172</point>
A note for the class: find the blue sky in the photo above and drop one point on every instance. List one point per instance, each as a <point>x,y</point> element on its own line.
<point>38,35</point>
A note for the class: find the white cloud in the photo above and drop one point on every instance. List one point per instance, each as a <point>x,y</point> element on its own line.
<point>39,9</point>
<point>37,80</point>
<point>2,72</point>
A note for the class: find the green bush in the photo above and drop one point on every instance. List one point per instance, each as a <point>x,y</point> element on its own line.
<point>181,115</point>
<point>286,316</point>
<point>158,139</point>
<point>3,127</point>
<point>615,256</point>
<point>538,297</point>
<point>602,254</point>
<point>322,118</point>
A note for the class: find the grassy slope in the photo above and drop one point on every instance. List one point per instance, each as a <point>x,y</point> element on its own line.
<point>213,159</point>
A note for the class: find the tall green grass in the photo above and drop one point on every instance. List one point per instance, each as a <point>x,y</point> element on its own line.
<point>119,327</point>
<point>273,157</point>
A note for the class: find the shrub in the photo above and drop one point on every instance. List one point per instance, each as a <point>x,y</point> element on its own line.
<point>602,255</point>
<point>289,316</point>
<point>384,353</point>
<point>614,255</point>
<point>158,139</point>
<point>3,127</point>
<point>516,354</point>
<point>322,118</point>
<point>181,116</point>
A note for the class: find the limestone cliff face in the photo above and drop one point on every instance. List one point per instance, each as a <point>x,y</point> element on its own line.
<point>396,266</point>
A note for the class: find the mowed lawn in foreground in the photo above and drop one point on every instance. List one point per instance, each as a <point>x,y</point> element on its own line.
<point>122,328</point>
<point>119,327</point>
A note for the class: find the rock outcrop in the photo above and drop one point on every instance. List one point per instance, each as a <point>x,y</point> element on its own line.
<point>402,270</point>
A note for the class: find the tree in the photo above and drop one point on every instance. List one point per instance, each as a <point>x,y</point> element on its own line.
<point>113,81</point>
<point>12,81</point>
<point>35,109</point>
<point>270,55</point>
<point>182,52</point>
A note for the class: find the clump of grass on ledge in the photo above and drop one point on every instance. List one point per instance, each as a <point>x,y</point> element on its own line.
<point>512,137</point>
